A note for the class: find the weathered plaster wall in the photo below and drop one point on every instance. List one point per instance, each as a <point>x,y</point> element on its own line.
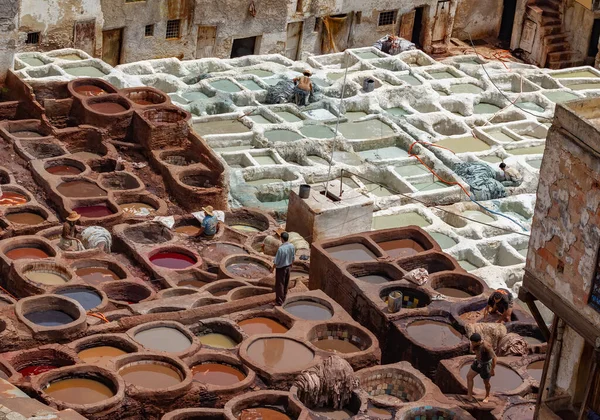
<point>480,18</point>
<point>9,13</point>
<point>134,17</point>
<point>578,22</point>
<point>572,348</point>
<point>55,19</point>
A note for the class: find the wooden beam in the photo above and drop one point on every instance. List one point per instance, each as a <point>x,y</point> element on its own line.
<point>589,385</point>
<point>561,308</point>
<point>540,396</point>
<point>529,300</point>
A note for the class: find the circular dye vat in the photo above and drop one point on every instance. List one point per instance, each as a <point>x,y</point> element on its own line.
<point>9,198</point>
<point>217,374</point>
<point>35,370</point>
<point>280,354</point>
<point>49,318</point>
<point>434,334</point>
<point>309,310</point>
<point>99,210</point>
<point>107,107</point>
<point>163,339</point>
<point>192,283</point>
<point>26,253</point>
<point>262,413</point>
<point>100,353</point>
<point>172,260</point>
<point>245,228</point>
<point>216,340</point>
<point>261,325</point>
<point>248,270</point>
<point>505,379</point>
<point>137,209</point>
<point>519,412</point>
<point>375,412</point>
<point>89,90</point>
<point>27,134</point>
<point>152,375</point>
<point>336,346</point>
<point>25,218</point>
<point>453,292</point>
<point>351,252</point>
<point>79,391</point>
<point>218,251</point>
<point>88,299</point>
<point>45,277</point>
<point>375,279</point>
<point>401,248</point>
<point>96,275</point>
<point>189,230</point>
<point>80,189</point>
<point>63,170</point>
<point>535,370</point>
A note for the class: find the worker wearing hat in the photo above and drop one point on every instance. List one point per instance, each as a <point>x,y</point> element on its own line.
<point>303,89</point>
<point>210,223</point>
<point>68,238</point>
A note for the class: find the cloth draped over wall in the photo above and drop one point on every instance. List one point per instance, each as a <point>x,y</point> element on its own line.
<point>336,31</point>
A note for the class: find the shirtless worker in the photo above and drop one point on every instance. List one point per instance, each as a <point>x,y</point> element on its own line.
<point>484,365</point>
<point>304,88</point>
<point>501,301</point>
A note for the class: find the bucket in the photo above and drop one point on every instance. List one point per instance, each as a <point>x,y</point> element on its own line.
<point>369,85</point>
<point>395,301</point>
<point>304,191</point>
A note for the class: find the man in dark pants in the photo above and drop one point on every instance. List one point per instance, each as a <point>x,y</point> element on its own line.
<point>283,264</point>
<point>484,365</point>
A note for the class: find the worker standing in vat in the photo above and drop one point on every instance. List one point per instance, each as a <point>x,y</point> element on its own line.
<point>303,89</point>
<point>209,224</point>
<point>510,177</point>
<point>484,365</point>
<point>501,301</point>
<point>68,237</point>
<point>282,266</point>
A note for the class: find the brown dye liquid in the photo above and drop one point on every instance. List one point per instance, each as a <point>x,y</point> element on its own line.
<point>505,379</point>
<point>192,283</point>
<point>9,198</point>
<point>378,413</point>
<point>351,252</point>
<point>401,248</point>
<point>79,391</point>
<point>96,275</point>
<point>535,370</point>
<point>217,252</point>
<point>100,353</point>
<point>260,325</point>
<point>262,413</point>
<point>334,414</point>
<point>520,412</point>
<point>454,293</point>
<point>375,279</point>
<point>248,270</point>
<point>142,102</point>
<point>80,189</point>
<point>89,90</point>
<point>45,277</point>
<point>27,134</point>
<point>26,253</point>
<point>63,170</point>
<point>163,339</point>
<point>338,346</point>
<point>150,375</point>
<point>280,354</point>
<point>217,374</point>
<point>108,107</point>
<point>190,230</point>
<point>434,334</point>
<point>25,218</point>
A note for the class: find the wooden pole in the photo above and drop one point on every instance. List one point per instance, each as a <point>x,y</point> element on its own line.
<point>588,388</point>
<point>546,366</point>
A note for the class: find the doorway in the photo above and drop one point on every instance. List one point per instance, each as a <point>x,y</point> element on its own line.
<point>418,27</point>
<point>595,38</point>
<point>292,44</point>
<point>244,46</point>
<point>441,21</point>
<point>205,43</point>
<point>508,20</point>
<point>112,43</point>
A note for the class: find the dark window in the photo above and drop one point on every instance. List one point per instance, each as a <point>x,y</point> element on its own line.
<point>133,1</point>
<point>594,39</point>
<point>358,18</point>
<point>387,18</point>
<point>33,38</point>
<point>318,22</point>
<point>149,30</point>
<point>173,27</point>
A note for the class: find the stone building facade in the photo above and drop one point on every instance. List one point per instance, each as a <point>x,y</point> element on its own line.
<point>563,270</point>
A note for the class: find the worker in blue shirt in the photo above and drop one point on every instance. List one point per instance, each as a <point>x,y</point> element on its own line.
<point>210,223</point>
<point>284,259</point>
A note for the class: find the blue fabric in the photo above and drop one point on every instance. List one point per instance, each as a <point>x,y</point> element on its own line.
<point>285,255</point>
<point>209,223</point>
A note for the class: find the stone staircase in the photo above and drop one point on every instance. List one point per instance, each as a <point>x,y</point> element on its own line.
<point>557,50</point>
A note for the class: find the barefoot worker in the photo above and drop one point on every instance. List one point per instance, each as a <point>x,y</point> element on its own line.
<point>501,301</point>
<point>282,266</point>
<point>484,365</point>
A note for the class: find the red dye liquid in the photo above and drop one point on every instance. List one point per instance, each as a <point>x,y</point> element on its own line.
<point>172,260</point>
<point>36,370</point>
<point>108,107</point>
<point>94,211</point>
